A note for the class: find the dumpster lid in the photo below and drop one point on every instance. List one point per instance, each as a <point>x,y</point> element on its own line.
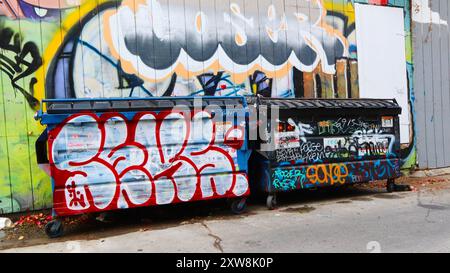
<point>69,106</point>
<point>390,105</point>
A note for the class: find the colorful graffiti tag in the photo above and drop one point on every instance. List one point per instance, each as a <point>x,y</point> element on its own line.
<point>340,138</point>
<point>334,152</point>
<point>143,48</point>
<point>154,158</point>
<point>303,177</point>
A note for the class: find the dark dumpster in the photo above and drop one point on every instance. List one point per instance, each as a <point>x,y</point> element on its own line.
<point>317,142</point>
<point>110,154</point>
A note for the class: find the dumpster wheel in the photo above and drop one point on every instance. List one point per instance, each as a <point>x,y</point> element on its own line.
<point>390,185</point>
<point>54,229</point>
<point>271,201</point>
<point>238,206</point>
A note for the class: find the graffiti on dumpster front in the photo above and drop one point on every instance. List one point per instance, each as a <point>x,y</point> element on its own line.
<point>343,126</point>
<point>351,139</point>
<point>327,173</point>
<point>303,177</point>
<point>368,144</point>
<point>288,179</point>
<point>111,162</point>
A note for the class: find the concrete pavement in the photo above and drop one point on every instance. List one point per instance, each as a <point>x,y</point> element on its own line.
<point>399,222</point>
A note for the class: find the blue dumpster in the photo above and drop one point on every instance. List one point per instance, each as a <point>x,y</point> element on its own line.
<point>110,154</point>
<point>325,142</point>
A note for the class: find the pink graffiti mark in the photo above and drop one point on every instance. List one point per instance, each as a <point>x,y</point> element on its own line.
<point>36,9</point>
<point>152,159</point>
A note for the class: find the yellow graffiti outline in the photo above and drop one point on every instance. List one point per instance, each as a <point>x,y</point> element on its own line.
<point>343,7</point>
<point>55,44</point>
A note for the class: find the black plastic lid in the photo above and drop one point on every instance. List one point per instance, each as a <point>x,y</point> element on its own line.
<point>380,105</point>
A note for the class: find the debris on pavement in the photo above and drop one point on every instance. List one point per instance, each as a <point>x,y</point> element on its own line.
<point>26,227</point>
<point>408,183</point>
<point>38,220</point>
<point>5,223</point>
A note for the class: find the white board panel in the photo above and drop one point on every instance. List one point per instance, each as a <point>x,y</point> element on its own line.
<point>380,36</point>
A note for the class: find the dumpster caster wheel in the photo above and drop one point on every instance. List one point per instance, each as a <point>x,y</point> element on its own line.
<point>271,202</point>
<point>238,206</point>
<point>390,186</point>
<point>54,229</point>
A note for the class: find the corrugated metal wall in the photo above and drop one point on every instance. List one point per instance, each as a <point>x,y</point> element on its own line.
<point>431,82</point>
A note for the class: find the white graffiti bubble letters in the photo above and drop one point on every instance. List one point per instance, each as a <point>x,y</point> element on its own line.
<point>116,164</point>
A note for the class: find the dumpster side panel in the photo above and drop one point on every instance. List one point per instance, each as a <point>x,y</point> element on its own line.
<point>115,161</point>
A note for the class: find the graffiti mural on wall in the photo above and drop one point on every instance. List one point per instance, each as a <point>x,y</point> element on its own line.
<point>146,48</point>
<point>26,27</point>
<point>36,9</point>
<point>19,60</point>
<point>154,158</point>
<point>143,48</point>
<point>236,37</point>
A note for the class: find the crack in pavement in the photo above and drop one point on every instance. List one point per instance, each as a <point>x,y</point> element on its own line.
<point>429,207</point>
<point>217,239</point>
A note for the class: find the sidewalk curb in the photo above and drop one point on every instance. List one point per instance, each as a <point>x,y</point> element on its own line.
<point>430,173</point>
